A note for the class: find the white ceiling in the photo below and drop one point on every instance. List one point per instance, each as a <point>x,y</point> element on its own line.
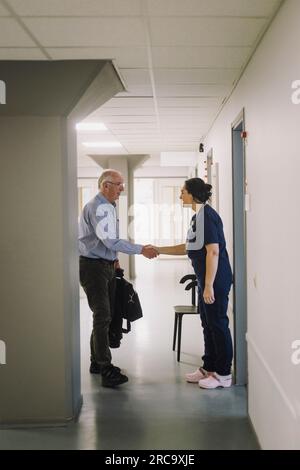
<point>179,59</point>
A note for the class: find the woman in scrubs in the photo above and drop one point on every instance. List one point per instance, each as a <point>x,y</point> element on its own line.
<point>206,248</point>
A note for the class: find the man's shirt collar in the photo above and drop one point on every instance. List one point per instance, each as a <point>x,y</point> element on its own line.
<point>104,200</point>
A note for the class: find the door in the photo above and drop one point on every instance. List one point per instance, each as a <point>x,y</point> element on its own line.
<point>239,251</point>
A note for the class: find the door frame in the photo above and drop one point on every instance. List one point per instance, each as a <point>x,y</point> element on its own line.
<point>239,250</point>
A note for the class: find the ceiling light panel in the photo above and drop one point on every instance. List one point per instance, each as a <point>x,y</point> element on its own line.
<point>212,7</point>
<point>76,7</point>
<point>196,112</point>
<point>90,32</point>
<point>195,76</point>
<point>205,32</point>
<point>188,101</point>
<point>192,90</point>
<point>12,35</point>
<point>189,57</point>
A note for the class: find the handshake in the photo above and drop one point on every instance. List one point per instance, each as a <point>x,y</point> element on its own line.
<point>150,251</point>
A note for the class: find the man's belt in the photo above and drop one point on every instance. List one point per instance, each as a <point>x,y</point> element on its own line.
<point>99,260</point>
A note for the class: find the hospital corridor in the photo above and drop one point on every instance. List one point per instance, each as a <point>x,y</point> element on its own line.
<point>157,409</point>
<point>149,155</point>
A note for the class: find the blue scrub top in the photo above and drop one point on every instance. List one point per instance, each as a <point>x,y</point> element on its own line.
<point>212,233</point>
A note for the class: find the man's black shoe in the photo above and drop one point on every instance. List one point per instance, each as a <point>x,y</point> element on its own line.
<point>95,368</point>
<point>113,378</point>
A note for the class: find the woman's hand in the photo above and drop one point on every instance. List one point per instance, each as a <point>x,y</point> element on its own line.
<point>208,294</point>
<point>171,250</point>
<point>212,259</point>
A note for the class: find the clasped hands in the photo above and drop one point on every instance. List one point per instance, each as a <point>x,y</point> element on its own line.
<point>150,251</point>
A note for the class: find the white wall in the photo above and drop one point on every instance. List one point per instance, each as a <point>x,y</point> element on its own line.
<point>273,226</point>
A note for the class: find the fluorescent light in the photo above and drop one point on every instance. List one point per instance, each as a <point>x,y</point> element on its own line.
<point>102,144</point>
<point>91,126</point>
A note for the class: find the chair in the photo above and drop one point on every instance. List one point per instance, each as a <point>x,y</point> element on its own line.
<point>181,310</point>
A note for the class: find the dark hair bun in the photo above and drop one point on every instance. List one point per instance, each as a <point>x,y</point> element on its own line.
<point>200,190</point>
<point>208,188</point>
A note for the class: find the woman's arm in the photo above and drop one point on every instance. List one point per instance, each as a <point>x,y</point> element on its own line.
<point>212,259</point>
<point>171,250</point>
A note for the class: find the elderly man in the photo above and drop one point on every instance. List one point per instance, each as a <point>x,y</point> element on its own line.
<point>98,246</point>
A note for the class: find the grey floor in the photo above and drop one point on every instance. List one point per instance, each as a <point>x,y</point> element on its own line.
<point>156,409</point>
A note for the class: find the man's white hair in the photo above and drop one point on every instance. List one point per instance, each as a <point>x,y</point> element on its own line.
<point>106,176</point>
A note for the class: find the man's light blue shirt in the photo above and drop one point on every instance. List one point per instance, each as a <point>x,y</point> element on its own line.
<point>99,231</point>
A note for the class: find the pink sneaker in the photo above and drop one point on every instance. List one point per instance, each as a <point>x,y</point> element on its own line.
<point>215,381</point>
<point>194,377</point>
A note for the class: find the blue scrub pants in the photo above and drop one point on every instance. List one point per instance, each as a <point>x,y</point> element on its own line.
<point>218,350</point>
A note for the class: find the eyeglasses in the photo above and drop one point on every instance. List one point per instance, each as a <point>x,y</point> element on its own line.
<point>116,184</point>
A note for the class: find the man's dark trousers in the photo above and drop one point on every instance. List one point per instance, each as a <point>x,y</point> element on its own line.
<point>97,278</point>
